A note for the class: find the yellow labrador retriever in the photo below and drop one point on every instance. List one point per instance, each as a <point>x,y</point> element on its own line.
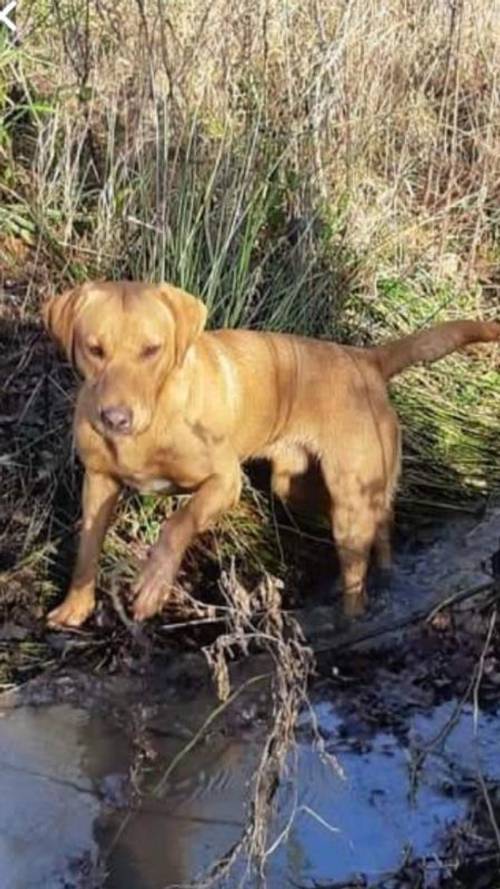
<point>166,406</point>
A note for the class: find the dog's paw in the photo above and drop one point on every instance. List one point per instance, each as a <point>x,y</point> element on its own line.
<point>355,604</point>
<point>73,612</point>
<point>153,586</point>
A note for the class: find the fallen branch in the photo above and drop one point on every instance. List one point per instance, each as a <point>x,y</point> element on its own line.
<point>424,614</point>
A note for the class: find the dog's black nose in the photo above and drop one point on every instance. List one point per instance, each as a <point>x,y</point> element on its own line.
<point>117,418</point>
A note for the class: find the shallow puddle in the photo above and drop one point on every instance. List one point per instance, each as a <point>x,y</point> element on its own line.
<point>67,802</point>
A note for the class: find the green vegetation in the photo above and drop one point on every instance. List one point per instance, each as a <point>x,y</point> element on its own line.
<point>330,169</point>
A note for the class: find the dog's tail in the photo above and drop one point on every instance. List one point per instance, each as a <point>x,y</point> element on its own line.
<point>433,343</point>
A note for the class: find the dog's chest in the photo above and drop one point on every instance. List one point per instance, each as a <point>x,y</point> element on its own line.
<point>150,485</point>
<point>151,477</point>
<point>150,472</point>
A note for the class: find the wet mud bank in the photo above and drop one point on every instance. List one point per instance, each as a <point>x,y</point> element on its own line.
<point>138,777</point>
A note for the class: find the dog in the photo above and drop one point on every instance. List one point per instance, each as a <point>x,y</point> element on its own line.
<point>167,406</point>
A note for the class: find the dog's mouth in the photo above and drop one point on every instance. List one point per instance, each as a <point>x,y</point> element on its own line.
<point>115,433</point>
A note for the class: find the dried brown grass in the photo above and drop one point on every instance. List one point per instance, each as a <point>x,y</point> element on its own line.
<point>384,113</point>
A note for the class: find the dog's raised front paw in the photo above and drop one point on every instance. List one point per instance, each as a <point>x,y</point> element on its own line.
<point>153,586</point>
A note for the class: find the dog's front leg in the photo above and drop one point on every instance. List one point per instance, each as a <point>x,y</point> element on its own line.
<point>217,494</point>
<point>100,493</point>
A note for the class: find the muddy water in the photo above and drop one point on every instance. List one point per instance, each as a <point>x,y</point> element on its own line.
<point>65,790</point>
<point>70,815</point>
<point>48,806</point>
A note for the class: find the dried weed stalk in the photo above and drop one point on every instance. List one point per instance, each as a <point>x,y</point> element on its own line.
<point>257,622</point>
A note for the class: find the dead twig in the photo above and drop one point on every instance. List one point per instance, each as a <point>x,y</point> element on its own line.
<point>471,690</point>
<point>256,619</point>
<point>480,666</point>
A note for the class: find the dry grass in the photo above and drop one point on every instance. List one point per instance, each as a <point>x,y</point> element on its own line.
<point>169,143</point>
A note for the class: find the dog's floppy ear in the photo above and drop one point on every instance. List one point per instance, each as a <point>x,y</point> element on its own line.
<point>190,316</point>
<point>59,314</point>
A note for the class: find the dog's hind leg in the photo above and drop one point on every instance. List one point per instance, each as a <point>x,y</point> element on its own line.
<point>360,473</point>
<point>382,543</point>
<point>355,521</point>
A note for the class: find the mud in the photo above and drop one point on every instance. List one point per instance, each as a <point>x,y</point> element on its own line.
<point>406,792</point>
<point>72,815</point>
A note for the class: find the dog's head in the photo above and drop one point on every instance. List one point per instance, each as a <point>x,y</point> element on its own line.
<point>125,338</point>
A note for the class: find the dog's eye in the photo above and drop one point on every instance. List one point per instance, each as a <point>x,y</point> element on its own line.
<point>96,350</point>
<point>151,350</point>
